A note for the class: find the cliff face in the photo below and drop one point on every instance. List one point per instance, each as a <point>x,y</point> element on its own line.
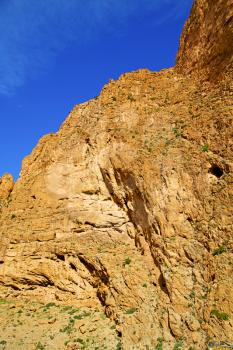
<point>127,211</point>
<point>206,47</point>
<point>6,186</point>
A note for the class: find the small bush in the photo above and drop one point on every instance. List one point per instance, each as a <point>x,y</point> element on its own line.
<point>219,250</point>
<point>79,340</point>
<point>40,346</point>
<point>69,328</point>
<point>178,345</point>
<point>159,345</point>
<point>78,317</point>
<point>73,311</point>
<point>131,98</point>
<point>205,148</point>
<point>66,308</point>
<point>127,261</point>
<point>192,294</point>
<point>220,315</point>
<point>50,305</point>
<point>131,311</point>
<point>119,346</point>
<point>177,132</point>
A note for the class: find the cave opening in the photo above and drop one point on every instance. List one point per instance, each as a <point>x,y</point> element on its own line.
<point>216,171</point>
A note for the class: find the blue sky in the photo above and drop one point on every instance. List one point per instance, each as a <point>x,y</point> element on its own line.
<point>58,53</point>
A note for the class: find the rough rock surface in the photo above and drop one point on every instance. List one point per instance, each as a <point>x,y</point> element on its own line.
<point>6,186</point>
<point>206,45</point>
<point>127,211</point>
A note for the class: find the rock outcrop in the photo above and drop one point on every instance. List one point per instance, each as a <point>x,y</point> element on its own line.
<point>6,186</point>
<point>128,209</point>
<point>206,48</point>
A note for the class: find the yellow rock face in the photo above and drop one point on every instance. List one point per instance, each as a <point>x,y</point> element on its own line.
<point>127,211</point>
<point>6,186</point>
<point>206,48</point>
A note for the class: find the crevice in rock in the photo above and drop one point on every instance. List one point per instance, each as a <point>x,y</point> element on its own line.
<point>100,282</point>
<point>107,181</point>
<point>213,276</point>
<point>162,284</point>
<point>73,267</point>
<point>119,333</point>
<point>14,287</point>
<point>95,268</point>
<point>44,283</point>
<point>60,257</point>
<point>188,256</point>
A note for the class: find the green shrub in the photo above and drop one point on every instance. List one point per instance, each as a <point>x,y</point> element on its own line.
<point>219,250</point>
<point>131,98</point>
<point>50,305</point>
<point>220,315</point>
<point>192,294</point>
<point>40,346</point>
<point>67,308</point>
<point>127,261</point>
<point>131,311</point>
<point>205,148</point>
<point>119,346</point>
<point>69,328</point>
<point>178,345</point>
<point>177,132</point>
<point>73,311</point>
<point>78,317</point>
<point>159,345</point>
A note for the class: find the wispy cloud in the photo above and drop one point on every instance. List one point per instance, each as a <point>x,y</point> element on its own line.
<point>33,32</point>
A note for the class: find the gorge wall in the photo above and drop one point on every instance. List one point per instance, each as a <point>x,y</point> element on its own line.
<point>206,48</point>
<point>127,209</point>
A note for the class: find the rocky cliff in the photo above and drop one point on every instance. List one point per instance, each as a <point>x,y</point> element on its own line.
<point>126,212</point>
<point>206,47</point>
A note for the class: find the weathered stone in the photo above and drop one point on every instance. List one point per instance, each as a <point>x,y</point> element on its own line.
<point>206,48</point>
<point>127,209</point>
<point>6,186</point>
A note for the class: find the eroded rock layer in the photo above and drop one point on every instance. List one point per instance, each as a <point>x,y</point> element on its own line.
<point>206,45</point>
<point>127,209</point>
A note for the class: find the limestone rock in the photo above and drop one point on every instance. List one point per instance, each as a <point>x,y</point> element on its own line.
<point>6,186</point>
<point>127,210</point>
<point>206,43</point>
